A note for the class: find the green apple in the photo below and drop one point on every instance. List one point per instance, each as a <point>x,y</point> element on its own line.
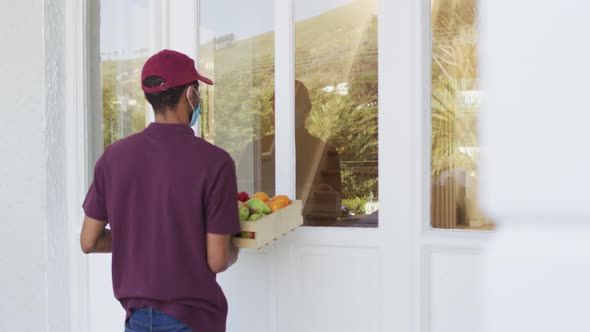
<point>255,216</point>
<point>256,206</point>
<point>244,212</point>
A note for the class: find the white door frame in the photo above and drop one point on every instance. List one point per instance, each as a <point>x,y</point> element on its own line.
<point>400,160</point>
<point>77,147</point>
<point>284,97</point>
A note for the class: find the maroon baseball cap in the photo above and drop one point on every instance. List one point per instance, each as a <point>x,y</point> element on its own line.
<point>175,68</point>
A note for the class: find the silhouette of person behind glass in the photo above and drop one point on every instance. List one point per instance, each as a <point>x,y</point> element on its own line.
<point>318,182</point>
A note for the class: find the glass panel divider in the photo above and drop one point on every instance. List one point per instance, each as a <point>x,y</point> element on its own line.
<point>285,97</point>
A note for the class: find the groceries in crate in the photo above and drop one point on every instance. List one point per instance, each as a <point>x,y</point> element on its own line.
<point>252,209</point>
<point>257,206</point>
<point>244,211</point>
<point>255,216</point>
<point>243,197</point>
<point>263,222</point>
<point>262,196</point>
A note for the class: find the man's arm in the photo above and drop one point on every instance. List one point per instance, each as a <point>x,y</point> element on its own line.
<point>221,252</point>
<point>95,237</point>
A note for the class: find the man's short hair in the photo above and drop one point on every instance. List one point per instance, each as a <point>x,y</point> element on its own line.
<point>163,100</point>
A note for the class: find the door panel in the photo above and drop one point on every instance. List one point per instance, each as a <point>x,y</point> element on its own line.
<point>249,291</point>
<point>451,287</point>
<point>343,282</point>
<point>309,280</point>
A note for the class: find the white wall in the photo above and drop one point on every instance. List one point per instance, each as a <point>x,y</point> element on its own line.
<point>31,168</point>
<point>535,165</point>
<point>55,157</point>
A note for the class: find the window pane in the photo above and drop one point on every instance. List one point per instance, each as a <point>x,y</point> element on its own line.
<point>237,52</point>
<point>456,100</point>
<point>336,111</point>
<point>123,49</point>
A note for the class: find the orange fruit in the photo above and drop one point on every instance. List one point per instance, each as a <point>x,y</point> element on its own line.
<point>262,196</point>
<point>268,204</point>
<point>277,205</point>
<point>282,198</point>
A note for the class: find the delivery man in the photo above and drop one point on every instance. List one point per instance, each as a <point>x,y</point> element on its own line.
<point>170,200</point>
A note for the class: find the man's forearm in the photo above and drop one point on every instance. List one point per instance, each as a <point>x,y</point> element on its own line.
<point>233,254</point>
<point>103,243</point>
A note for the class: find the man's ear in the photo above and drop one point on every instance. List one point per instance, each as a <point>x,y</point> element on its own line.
<point>195,94</point>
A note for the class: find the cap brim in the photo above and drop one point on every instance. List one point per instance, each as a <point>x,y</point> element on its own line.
<point>204,79</point>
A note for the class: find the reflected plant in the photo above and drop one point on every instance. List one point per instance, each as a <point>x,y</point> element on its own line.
<point>356,205</point>
<point>120,84</point>
<point>245,111</point>
<point>454,71</point>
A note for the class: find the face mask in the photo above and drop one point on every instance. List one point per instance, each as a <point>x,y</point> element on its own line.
<point>195,116</point>
<point>197,110</point>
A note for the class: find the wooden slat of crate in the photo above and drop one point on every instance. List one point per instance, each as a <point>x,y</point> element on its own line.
<point>271,226</point>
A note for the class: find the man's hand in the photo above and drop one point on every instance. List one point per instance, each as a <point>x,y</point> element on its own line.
<point>94,236</point>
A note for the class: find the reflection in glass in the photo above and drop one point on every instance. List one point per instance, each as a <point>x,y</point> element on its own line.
<point>335,101</point>
<point>123,50</point>
<point>456,98</point>
<point>238,54</point>
<point>336,111</point>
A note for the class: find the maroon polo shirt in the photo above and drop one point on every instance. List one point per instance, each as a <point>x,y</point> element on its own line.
<point>161,191</point>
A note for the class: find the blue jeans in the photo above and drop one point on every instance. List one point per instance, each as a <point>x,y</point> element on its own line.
<point>152,320</point>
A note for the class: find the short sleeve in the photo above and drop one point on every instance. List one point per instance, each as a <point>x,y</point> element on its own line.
<point>222,215</point>
<point>95,202</point>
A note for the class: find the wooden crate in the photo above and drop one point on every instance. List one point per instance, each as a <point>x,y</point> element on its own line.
<point>271,227</point>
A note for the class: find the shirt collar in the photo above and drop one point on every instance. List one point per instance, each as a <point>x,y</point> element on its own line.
<point>167,129</point>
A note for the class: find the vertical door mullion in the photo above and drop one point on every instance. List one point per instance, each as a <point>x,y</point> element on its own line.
<point>197,13</point>
<point>158,38</point>
<point>284,97</point>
